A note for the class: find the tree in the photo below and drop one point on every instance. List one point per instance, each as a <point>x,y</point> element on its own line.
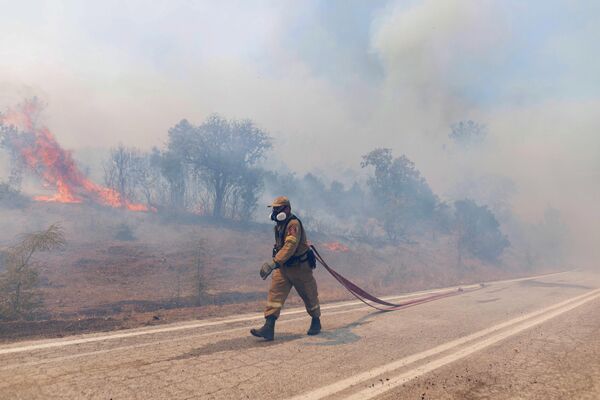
<point>467,133</point>
<point>493,190</point>
<point>223,155</point>
<point>11,197</point>
<point>403,195</point>
<point>173,170</point>
<point>478,232</point>
<point>246,193</point>
<point>10,189</point>
<point>18,282</point>
<point>147,176</point>
<point>120,171</point>
<point>141,176</point>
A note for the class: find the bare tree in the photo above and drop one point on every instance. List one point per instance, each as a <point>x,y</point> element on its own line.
<point>18,282</point>
<point>147,177</point>
<point>120,171</point>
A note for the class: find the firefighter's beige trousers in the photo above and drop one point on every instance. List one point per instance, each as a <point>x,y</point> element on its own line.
<point>299,276</point>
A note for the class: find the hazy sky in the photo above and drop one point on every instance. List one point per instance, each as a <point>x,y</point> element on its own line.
<point>330,80</point>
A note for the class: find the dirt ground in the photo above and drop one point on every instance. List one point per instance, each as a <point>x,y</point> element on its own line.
<point>101,283</point>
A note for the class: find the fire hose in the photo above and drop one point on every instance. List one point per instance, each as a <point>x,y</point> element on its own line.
<point>380,304</point>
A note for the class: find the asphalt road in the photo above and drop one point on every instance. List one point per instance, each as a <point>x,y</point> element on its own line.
<point>528,339</point>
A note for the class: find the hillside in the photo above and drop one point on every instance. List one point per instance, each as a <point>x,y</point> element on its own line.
<point>125,269</point>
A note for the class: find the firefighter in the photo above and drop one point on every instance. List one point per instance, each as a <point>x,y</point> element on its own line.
<point>292,266</point>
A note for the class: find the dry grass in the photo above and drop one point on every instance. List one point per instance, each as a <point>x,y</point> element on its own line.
<point>150,280</point>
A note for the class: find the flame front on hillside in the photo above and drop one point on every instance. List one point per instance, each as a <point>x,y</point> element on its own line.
<point>336,246</point>
<point>41,154</point>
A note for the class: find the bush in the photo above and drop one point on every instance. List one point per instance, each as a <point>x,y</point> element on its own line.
<point>479,231</point>
<point>125,233</point>
<point>19,297</point>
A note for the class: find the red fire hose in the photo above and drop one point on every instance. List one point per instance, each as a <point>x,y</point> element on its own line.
<point>381,305</point>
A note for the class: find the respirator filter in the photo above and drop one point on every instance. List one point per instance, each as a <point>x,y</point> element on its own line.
<point>278,216</point>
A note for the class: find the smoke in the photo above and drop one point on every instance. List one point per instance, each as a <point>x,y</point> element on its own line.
<point>115,73</point>
<point>37,149</point>
<point>443,62</point>
<point>425,48</point>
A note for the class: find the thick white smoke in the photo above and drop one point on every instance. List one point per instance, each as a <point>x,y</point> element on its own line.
<point>125,73</point>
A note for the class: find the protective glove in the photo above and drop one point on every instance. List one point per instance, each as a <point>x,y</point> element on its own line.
<point>267,268</point>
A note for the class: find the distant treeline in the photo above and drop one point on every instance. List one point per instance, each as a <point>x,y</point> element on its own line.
<point>217,169</point>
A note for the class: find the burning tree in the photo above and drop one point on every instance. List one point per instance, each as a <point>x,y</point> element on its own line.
<point>18,282</point>
<point>40,153</point>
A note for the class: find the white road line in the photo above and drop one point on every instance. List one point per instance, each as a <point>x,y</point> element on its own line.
<point>244,318</point>
<point>464,352</point>
<point>156,343</point>
<point>179,327</point>
<point>365,376</point>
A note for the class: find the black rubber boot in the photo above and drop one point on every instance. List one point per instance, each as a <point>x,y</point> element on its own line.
<point>315,326</point>
<point>267,332</point>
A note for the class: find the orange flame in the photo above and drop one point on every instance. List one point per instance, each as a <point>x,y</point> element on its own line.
<point>336,246</point>
<point>42,154</point>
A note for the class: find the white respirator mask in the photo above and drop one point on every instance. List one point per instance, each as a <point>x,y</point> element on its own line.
<point>280,217</point>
